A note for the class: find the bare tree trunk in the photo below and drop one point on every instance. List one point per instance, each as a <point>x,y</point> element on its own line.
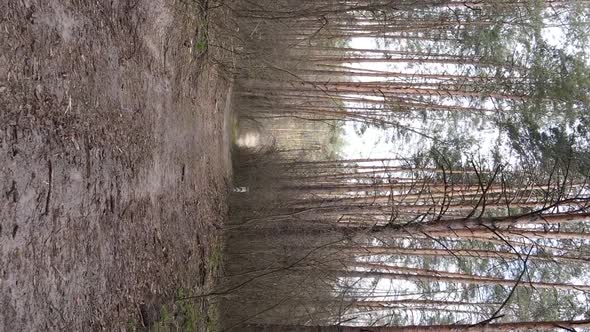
<point>495,327</point>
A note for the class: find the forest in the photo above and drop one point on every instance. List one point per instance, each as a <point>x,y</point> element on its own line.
<point>423,166</point>
<point>295,165</point>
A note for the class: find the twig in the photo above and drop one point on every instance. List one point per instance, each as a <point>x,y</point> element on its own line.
<point>48,199</point>
<point>496,314</point>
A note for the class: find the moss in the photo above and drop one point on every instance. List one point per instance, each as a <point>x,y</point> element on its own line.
<point>193,314</point>
<point>188,315</point>
<point>201,43</point>
<point>165,322</point>
<point>213,317</point>
<point>132,325</point>
<point>215,259</point>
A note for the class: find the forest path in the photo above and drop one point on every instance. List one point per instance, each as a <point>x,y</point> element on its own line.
<point>113,159</point>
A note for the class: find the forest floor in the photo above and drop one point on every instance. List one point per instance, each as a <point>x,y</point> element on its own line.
<point>114,165</point>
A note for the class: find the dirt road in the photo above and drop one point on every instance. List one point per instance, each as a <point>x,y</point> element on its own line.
<point>113,161</point>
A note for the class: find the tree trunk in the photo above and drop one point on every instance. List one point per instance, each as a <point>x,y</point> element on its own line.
<point>495,327</point>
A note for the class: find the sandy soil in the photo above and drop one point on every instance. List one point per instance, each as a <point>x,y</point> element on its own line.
<point>113,161</point>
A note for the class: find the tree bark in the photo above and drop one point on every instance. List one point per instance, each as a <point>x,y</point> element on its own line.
<point>494,327</point>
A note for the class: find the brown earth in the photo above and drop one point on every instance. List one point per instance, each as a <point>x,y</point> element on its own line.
<point>113,161</point>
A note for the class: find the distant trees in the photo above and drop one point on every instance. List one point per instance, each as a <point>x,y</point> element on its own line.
<point>496,327</point>
<point>323,226</point>
<point>447,237</point>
